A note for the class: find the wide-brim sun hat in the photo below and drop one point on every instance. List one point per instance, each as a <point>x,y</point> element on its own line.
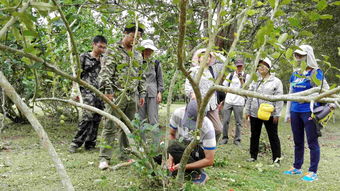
<point>148,44</point>
<point>300,51</point>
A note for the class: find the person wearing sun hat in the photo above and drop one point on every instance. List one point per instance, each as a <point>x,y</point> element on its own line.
<point>154,88</point>
<point>207,81</point>
<point>264,112</point>
<point>299,114</point>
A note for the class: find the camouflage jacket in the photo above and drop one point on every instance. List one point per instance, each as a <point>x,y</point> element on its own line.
<point>90,70</point>
<point>120,73</point>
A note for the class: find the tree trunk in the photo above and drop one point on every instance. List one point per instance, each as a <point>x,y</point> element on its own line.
<point>45,141</point>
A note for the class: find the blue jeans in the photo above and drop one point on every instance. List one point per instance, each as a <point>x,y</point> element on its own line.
<point>301,122</point>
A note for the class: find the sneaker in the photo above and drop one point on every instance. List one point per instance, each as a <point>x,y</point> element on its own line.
<point>292,171</point>
<point>224,141</point>
<point>310,177</point>
<point>251,160</point>
<point>237,143</point>
<point>103,164</point>
<point>202,179</point>
<point>72,148</point>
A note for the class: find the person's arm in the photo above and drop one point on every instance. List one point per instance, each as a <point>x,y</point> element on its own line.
<point>187,86</point>
<point>159,79</point>
<point>278,105</point>
<point>249,100</point>
<point>107,75</point>
<point>172,133</point>
<point>207,161</point>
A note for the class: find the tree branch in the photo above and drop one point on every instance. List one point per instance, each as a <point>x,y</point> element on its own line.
<point>45,141</point>
<point>13,19</point>
<point>54,69</point>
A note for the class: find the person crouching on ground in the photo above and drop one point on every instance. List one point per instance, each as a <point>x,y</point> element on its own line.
<point>183,125</point>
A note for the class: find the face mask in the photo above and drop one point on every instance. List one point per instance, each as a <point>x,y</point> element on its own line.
<point>301,59</point>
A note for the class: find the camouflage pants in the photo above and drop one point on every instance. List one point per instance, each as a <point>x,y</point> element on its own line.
<point>88,126</point>
<point>111,130</point>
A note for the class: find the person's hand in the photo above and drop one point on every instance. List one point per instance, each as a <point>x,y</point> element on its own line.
<point>220,106</point>
<point>287,119</point>
<point>159,97</point>
<point>275,120</point>
<point>141,101</point>
<point>110,96</point>
<point>176,167</point>
<point>76,98</point>
<point>170,163</point>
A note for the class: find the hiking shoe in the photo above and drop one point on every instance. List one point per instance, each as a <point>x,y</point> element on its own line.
<point>202,179</point>
<point>310,177</point>
<point>103,164</point>
<point>251,160</point>
<point>224,141</point>
<point>72,148</point>
<point>237,143</point>
<point>292,171</point>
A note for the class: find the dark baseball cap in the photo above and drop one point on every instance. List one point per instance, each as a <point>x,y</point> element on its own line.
<point>239,62</point>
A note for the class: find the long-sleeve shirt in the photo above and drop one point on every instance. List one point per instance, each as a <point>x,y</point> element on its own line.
<point>120,72</point>
<point>154,78</point>
<point>234,99</point>
<point>271,86</point>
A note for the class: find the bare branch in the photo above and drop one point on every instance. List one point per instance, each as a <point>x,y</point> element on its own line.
<point>13,19</point>
<point>45,141</point>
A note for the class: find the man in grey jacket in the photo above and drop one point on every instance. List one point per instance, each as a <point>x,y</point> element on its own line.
<point>154,87</point>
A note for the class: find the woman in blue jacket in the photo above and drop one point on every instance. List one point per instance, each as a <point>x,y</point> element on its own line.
<point>299,113</point>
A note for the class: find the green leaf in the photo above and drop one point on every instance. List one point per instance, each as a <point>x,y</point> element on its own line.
<point>285,2</point>
<point>314,16</point>
<point>272,3</point>
<point>51,74</point>
<point>176,2</point>
<point>224,13</point>
<point>30,33</point>
<point>294,22</point>
<point>303,66</point>
<point>335,3</point>
<point>326,16</point>
<point>282,38</point>
<point>316,80</point>
<point>26,60</point>
<point>279,13</point>
<point>289,53</point>
<point>275,55</point>
<point>259,4</point>
<point>251,12</point>
<point>321,5</point>
<point>42,6</point>
<point>337,75</point>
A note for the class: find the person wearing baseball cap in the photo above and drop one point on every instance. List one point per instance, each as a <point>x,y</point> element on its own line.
<point>299,114</point>
<point>182,132</point>
<point>234,103</point>
<point>154,89</point>
<point>267,84</point>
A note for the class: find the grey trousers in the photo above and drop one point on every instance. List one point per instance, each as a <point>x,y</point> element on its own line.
<point>226,113</point>
<point>215,119</point>
<point>149,111</point>
<point>111,130</point>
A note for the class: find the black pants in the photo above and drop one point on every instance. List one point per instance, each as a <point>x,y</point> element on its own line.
<point>87,133</point>
<point>176,150</point>
<point>256,126</point>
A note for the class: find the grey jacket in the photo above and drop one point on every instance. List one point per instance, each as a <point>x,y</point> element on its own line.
<point>272,86</point>
<point>154,79</point>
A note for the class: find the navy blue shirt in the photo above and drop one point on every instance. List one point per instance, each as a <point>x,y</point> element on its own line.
<point>302,82</point>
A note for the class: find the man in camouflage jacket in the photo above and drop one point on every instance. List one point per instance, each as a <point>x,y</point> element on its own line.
<point>88,126</point>
<point>122,81</point>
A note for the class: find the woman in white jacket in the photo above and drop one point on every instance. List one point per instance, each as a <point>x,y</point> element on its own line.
<point>267,84</point>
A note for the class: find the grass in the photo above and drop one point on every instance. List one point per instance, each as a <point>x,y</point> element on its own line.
<point>24,165</point>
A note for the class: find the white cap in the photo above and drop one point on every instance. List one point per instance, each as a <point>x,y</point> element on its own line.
<point>300,51</point>
<point>266,60</point>
<point>148,44</point>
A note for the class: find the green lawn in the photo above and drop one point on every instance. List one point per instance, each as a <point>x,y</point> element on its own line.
<point>24,165</point>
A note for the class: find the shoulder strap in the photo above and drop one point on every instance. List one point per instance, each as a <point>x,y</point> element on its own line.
<point>230,78</point>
